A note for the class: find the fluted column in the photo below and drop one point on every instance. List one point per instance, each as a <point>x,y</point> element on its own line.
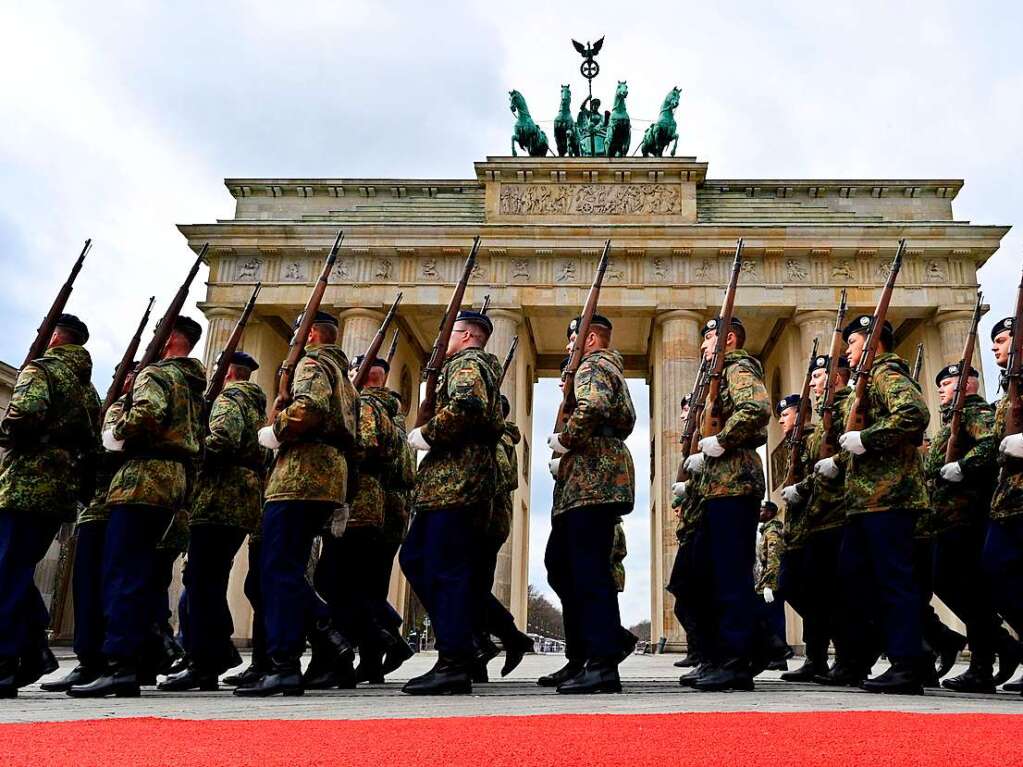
<point>222,320</point>
<point>358,326</point>
<point>814,324</point>
<point>954,327</point>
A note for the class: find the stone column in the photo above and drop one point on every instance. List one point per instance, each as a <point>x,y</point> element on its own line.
<point>813,324</point>
<point>677,361</point>
<point>358,326</point>
<point>954,327</point>
<point>222,320</point>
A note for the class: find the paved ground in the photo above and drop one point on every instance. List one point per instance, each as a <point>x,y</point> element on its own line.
<point>650,687</point>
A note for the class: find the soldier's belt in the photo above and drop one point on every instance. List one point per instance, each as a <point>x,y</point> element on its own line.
<point>179,456</point>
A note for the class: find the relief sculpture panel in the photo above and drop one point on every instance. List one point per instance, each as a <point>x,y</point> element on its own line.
<point>590,199</point>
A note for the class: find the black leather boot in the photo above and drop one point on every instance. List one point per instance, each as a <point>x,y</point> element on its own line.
<point>120,679</point>
<point>283,677</point>
<point>597,676</point>
<point>562,675</point>
<point>396,652</point>
<point>901,679</point>
<point>8,670</point>
<point>35,666</point>
<point>977,678</point>
<point>371,663</point>
<point>691,660</point>
<point>733,674</point>
<point>486,652</point>
<point>249,676</point>
<point>952,643</point>
<point>332,662</point>
<point>629,642</point>
<point>514,650</point>
<point>842,674</point>
<point>82,674</point>
<point>191,678</point>
<point>688,680</point>
<point>811,667</point>
<point>447,677</point>
<point>1009,658</point>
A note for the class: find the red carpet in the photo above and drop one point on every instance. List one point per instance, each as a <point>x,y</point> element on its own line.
<point>660,740</point>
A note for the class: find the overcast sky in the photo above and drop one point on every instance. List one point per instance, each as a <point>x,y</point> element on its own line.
<point>120,120</point>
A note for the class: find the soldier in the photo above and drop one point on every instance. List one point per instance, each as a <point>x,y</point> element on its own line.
<point>160,433</point>
<point>49,433</point>
<point>226,507</point>
<point>884,493</point>
<point>596,486</point>
<point>306,491</point>
<point>732,488</point>
<point>492,616</point>
<point>455,487</point>
<point>771,546</point>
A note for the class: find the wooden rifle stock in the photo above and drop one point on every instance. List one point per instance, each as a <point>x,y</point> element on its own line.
<point>953,448</point>
<point>219,373</point>
<point>713,420</point>
<point>124,367</point>
<point>690,434</point>
<point>440,345</point>
<point>795,438</point>
<point>918,363</point>
<point>508,360</point>
<point>1014,412</point>
<point>373,351</point>
<point>45,330</point>
<point>827,447</point>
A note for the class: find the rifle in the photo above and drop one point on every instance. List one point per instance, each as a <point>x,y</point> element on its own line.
<point>575,355</point>
<point>124,367</point>
<point>690,434</point>
<point>374,347</point>
<point>802,419</point>
<point>953,448</point>
<point>45,330</point>
<point>857,419</point>
<point>918,363</point>
<point>219,374</point>
<point>713,420</point>
<point>486,304</point>
<point>394,346</point>
<point>440,346</point>
<point>827,447</point>
<point>508,360</point>
<point>296,347</point>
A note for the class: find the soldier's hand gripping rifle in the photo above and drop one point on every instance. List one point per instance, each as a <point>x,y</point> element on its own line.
<point>440,346</point>
<point>857,420</point>
<point>690,434</point>
<point>953,448</point>
<point>509,358</point>
<point>713,419</point>
<point>795,438</point>
<point>918,363</point>
<point>296,347</point>
<point>374,347</point>
<point>124,367</point>
<point>45,330</point>
<point>828,447</point>
<point>394,346</point>
<point>219,374</point>
<point>575,356</point>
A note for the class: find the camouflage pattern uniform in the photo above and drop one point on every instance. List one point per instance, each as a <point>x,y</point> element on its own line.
<point>683,583</point>
<point>796,514</point>
<point>619,551</point>
<point>772,546</point>
<point>507,483</point>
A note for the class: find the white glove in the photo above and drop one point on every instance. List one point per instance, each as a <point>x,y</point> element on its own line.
<point>679,489</point>
<point>111,444</point>
<point>952,472</point>
<point>554,443</point>
<point>268,439</point>
<point>852,442</point>
<point>694,463</point>
<point>554,464</point>
<point>339,520</point>
<point>790,494</point>
<point>712,447</point>
<point>768,595</point>
<point>417,440</point>
<point>826,467</point>
<point>1012,445</point>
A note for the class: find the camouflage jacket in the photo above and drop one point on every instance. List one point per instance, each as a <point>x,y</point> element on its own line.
<point>795,523</point>
<point>1008,497</point>
<point>461,467</point>
<point>507,483</point>
<point>399,485</point>
<point>163,432</point>
<point>316,431</point>
<point>747,411</point>
<point>598,468</point>
<point>107,464</point>
<point>889,476</point>
<point>618,553</point>
<point>377,451</point>
<point>690,509</point>
<point>825,507</point>
<point>229,490</point>
<point>772,546</point>
<point>50,432</point>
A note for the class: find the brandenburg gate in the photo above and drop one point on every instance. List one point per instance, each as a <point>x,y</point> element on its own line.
<point>543,221</point>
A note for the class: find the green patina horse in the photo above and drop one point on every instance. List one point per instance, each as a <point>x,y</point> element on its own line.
<point>565,136</point>
<point>526,134</point>
<point>619,126</point>
<point>664,131</point>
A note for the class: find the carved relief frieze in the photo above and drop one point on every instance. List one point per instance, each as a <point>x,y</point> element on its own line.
<point>249,269</point>
<point>429,268</point>
<point>703,270</point>
<point>342,269</point>
<point>589,200</point>
<point>294,271</point>
<point>520,269</point>
<point>843,270</point>
<point>796,270</point>
<point>384,270</point>
<point>934,271</point>
<point>565,271</point>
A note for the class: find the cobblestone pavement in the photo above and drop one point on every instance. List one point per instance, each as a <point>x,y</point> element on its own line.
<point>650,687</point>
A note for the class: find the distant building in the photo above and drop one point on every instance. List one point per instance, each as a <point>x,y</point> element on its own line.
<point>7,378</point>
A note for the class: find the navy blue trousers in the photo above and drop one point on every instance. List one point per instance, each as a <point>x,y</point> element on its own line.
<point>958,580</point>
<point>579,550</point>
<point>87,592</point>
<point>492,616</point>
<point>726,547</point>
<point>254,593</point>
<point>289,528</point>
<point>211,551</point>
<point>129,571</point>
<point>1003,565</point>
<point>340,579</point>
<point>684,585</point>
<point>24,539</point>
<point>385,616</point>
<point>824,595</point>
<point>876,565</point>
<point>437,559</point>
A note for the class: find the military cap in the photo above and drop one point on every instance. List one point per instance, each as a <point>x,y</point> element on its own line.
<point>322,318</point>
<point>951,371</point>
<point>75,325</point>
<point>244,360</point>
<point>598,320</point>
<point>769,505</point>
<point>1002,326</point>
<point>189,328</point>
<point>712,324</point>
<point>863,324</point>
<point>476,318</point>
<point>377,362</point>
<point>684,402</point>
<point>821,361</point>
<point>792,400</point>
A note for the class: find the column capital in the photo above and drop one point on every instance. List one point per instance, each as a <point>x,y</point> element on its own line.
<point>953,315</point>
<point>512,315</point>
<point>373,314</point>
<point>220,312</point>
<point>802,316</point>
<point>681,314</point>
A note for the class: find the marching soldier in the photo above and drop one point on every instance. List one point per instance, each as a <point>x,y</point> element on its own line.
<point>770,548</point>
<point>596,486</point>
<point>732,488</point>
<point>455,488</point>
<point>306,490</point>
<point>226,507</point>
<point>49,433</point>
<point>160,435</point>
